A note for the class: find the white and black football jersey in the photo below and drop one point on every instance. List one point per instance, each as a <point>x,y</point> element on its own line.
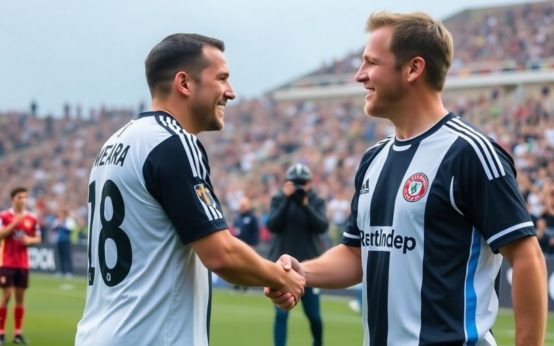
<point>150,196</point>
<point>430,214</point>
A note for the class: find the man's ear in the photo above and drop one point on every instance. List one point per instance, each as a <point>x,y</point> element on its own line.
<point>183,82</point>
<point>415,68</point>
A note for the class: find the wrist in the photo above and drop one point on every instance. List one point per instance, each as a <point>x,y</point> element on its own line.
<point>280,282</point>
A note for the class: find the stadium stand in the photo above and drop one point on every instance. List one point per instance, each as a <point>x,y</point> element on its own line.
<point>317,119</point>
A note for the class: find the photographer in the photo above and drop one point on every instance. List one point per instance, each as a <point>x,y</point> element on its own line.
<point>297,219</point>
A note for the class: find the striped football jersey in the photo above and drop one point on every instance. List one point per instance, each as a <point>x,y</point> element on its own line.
<point>150,196</point>
<point>430,214</point>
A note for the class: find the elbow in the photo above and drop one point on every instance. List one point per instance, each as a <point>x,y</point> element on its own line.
<point>217,264</point>
<point>221,261</point>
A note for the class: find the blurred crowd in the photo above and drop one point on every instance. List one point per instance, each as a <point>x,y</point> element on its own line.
<point>514,37</point>
<point>52,156</point>
<point>486,40</point>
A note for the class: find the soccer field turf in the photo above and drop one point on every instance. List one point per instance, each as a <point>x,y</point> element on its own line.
<point>54,306</point>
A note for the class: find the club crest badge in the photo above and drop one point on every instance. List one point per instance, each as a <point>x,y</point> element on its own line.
<point>415,187</point>
<point>204,195</point>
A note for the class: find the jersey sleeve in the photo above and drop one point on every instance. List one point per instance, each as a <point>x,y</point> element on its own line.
<point>488,195</point>
<point>177,177</point>
<point>351,234</point>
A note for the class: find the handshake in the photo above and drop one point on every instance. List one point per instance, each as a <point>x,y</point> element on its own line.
<point>288,299</point>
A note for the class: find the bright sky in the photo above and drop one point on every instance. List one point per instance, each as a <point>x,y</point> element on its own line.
<point>92,52</point>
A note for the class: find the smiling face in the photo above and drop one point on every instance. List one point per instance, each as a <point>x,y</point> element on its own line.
<point>380,77</point>
<point>211,92</point>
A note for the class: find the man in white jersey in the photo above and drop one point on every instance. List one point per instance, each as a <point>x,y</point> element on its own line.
<point>156,228</point>
<point>434,206</point>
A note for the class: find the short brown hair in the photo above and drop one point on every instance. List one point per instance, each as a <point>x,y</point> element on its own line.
<point>174,53</point>
<point>17,191</point>
<point>417,34</point>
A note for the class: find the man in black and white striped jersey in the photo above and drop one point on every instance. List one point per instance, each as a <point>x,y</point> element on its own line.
<point>156,227</point>
<point>436,207</point>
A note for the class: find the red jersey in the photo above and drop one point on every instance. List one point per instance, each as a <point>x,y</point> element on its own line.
<point>13,253</point>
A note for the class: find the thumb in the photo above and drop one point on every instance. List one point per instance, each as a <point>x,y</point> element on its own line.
<point>295,265</point>
<point>286,262</point>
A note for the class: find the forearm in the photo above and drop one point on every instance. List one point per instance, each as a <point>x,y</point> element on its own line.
<point>237,262</point>
<point>33,240</point>
<point>529,289</point>
<point>243,266</point>
<point>6,231</point>
<point>529,300</point>
<point>339,267</point>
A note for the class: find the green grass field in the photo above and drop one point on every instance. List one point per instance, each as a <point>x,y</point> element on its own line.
<point>54,306</point>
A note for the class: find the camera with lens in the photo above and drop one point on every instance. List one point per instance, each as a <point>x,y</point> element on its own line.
<point>299,191</point>
<point>299,174</point>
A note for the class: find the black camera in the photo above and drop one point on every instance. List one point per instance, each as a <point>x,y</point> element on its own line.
<point>299,188</point>
<point>299,174</point>
<point>299,191</point>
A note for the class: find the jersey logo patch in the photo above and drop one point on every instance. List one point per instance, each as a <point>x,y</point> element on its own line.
<point>27,224</point>
<point>204,195</point>
<point>415,187</point>
<point>365,187</point>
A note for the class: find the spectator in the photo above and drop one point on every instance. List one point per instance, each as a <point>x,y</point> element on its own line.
<point>246,223</point>
<point>297,219</point>
<point>63,226</point>
<point>18,229</point>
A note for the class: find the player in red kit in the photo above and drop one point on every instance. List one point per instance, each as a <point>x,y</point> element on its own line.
<point>18,229</point>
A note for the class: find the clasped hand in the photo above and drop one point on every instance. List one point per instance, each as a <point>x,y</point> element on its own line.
<point>286,300</point>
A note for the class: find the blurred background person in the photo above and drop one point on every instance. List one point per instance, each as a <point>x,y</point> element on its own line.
<point>246,223</point>
<point>19,229</point>
<point>545,223</point>
<point>297,218</point>
<point>245,226</point>
<point>545,241</point>
<point>63,226</point>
